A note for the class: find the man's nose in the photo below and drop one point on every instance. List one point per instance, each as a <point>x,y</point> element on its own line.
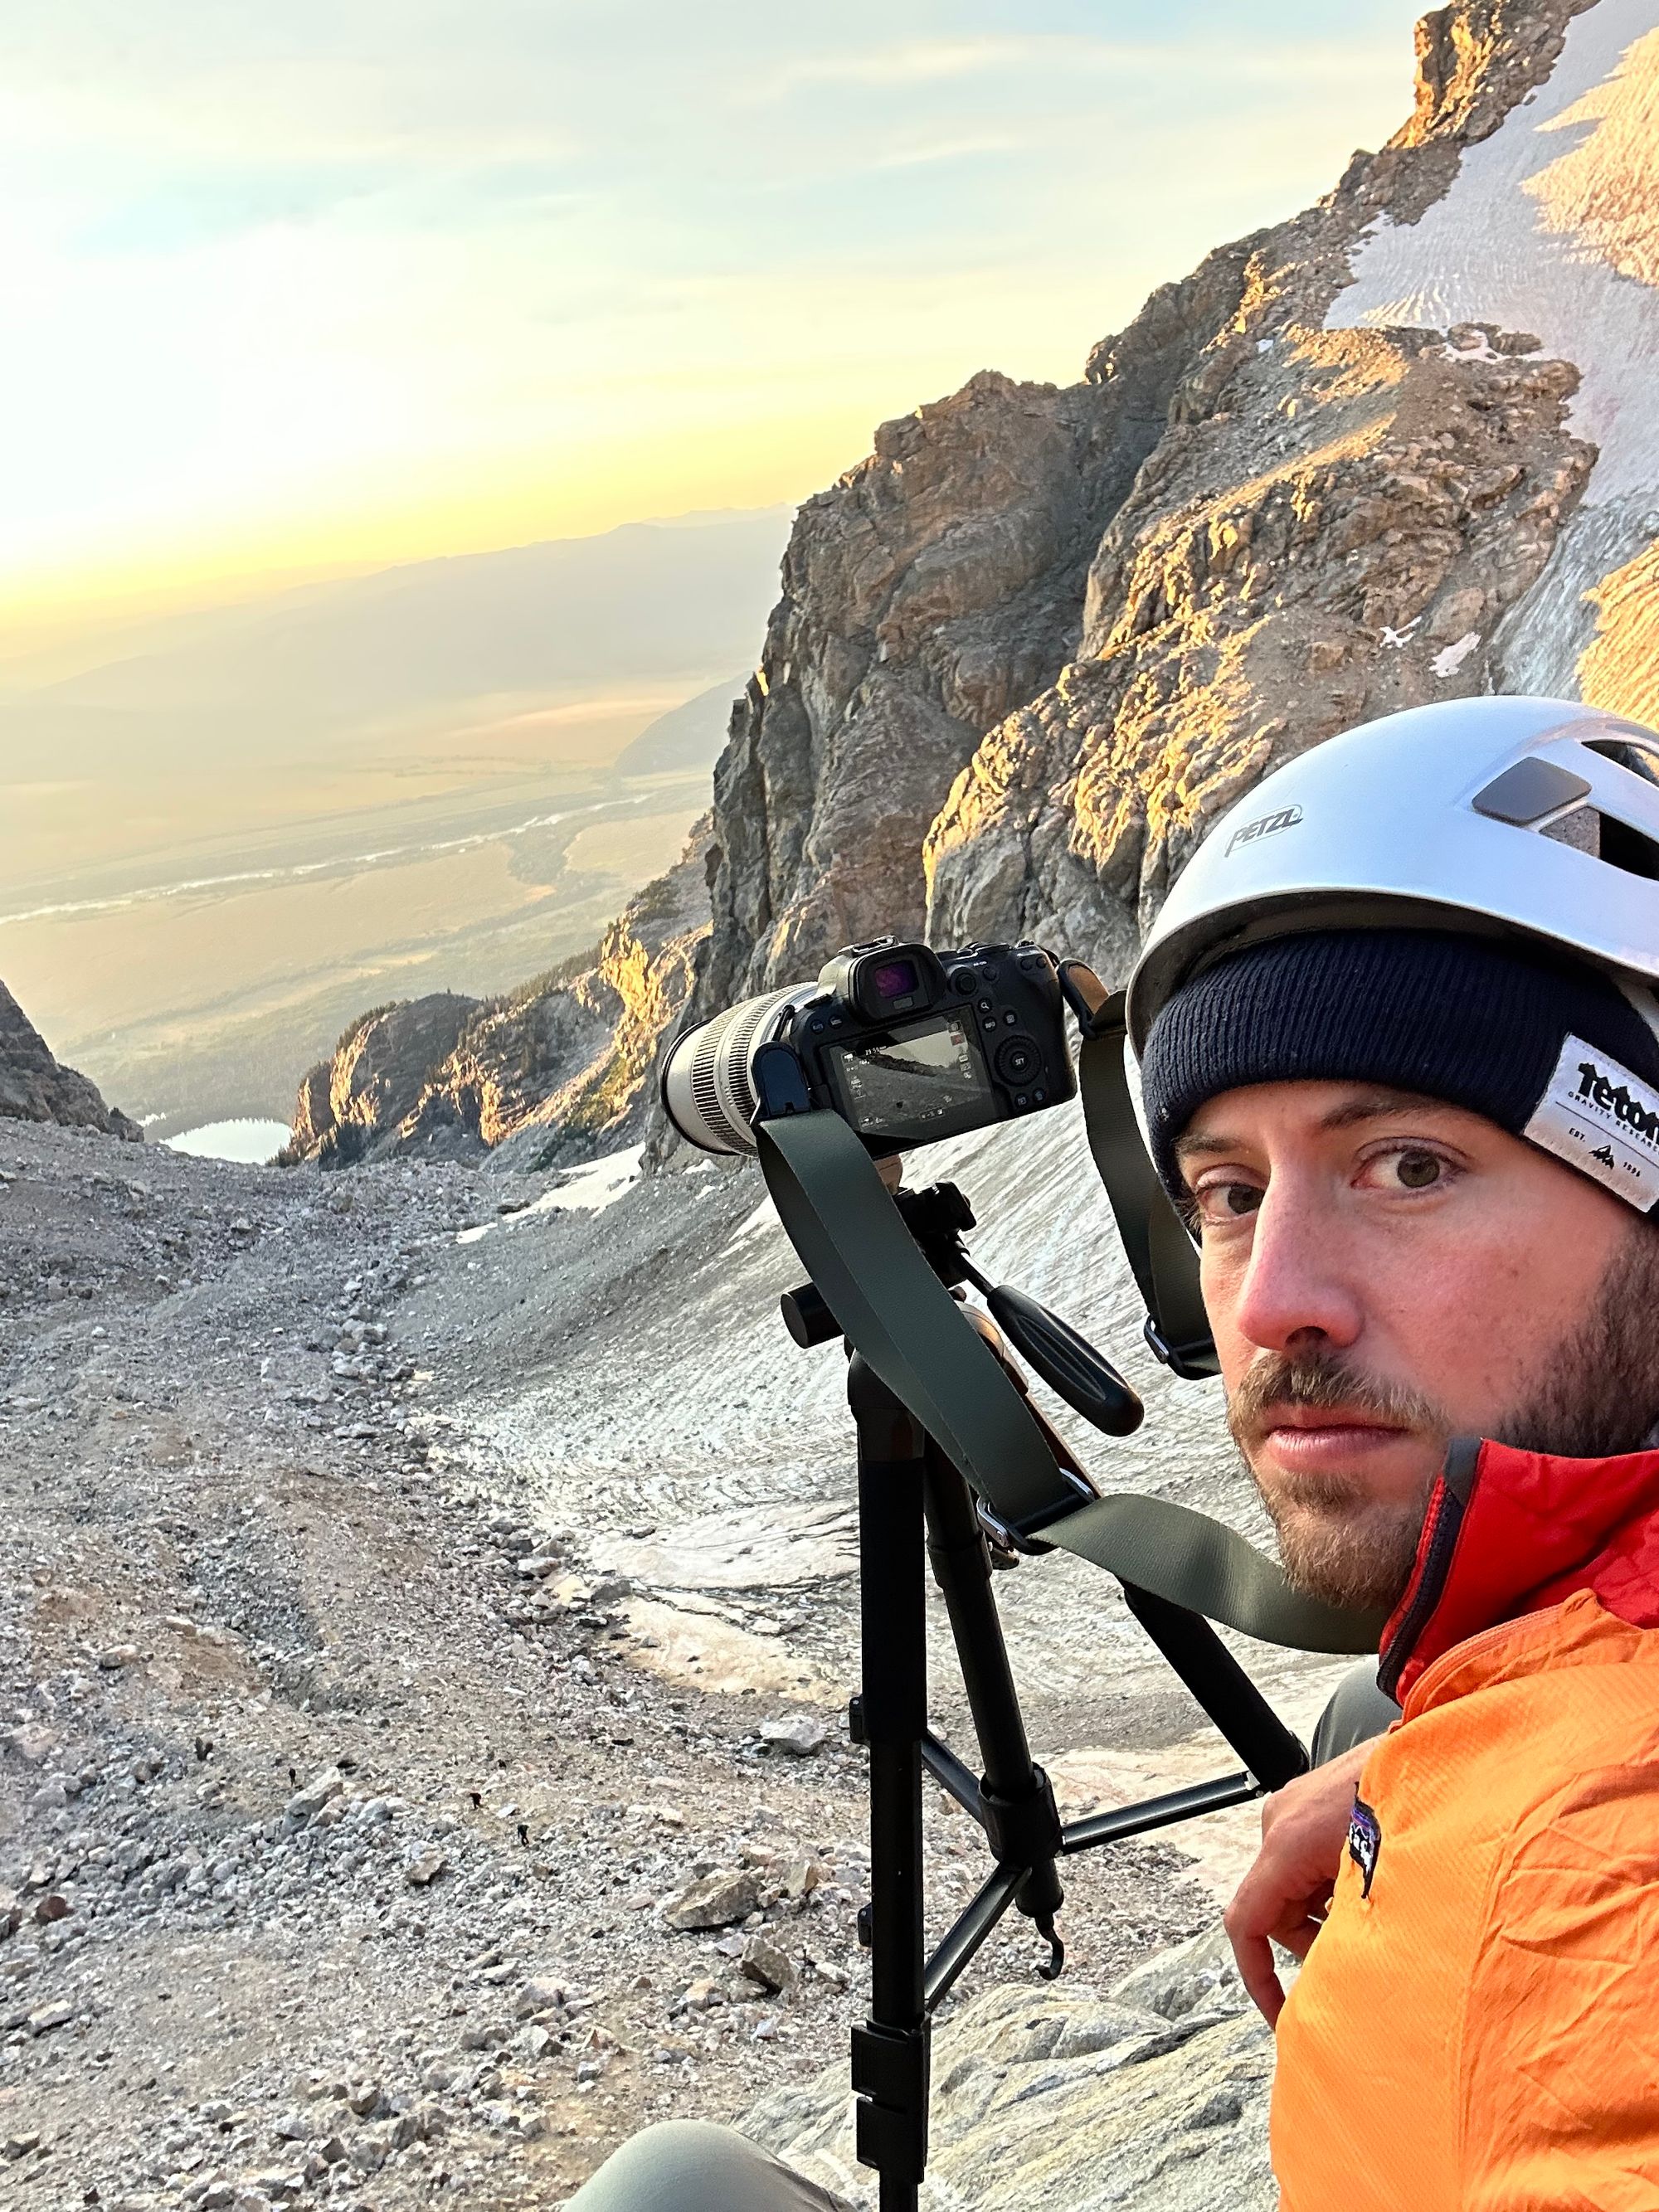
<point>1296,1285</point>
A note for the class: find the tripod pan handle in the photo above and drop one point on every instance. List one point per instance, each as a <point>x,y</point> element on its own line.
<point>1067,1362</point>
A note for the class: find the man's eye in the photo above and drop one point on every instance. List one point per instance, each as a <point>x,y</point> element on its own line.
<point>1418,1171</point>
<point>1224,1202</point>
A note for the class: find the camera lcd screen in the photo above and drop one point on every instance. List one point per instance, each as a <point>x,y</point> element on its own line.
<point>914,1085</point>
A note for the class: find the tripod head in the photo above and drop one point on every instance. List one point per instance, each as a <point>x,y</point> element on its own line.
<point>938,1218</point>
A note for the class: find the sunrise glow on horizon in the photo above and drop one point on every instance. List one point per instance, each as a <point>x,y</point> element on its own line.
<point>290,294</point>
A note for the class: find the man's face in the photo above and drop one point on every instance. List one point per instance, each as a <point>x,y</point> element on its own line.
<point>1382,1273</point>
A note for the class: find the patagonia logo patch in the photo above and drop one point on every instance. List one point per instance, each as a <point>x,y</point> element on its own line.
<point>1364,1843</point>
<point>1604,1121</point>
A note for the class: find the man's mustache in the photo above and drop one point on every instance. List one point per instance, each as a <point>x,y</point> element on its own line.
<point>1323,1380</point>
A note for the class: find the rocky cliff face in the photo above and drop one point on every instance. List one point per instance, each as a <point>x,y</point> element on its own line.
<point>1288,528</point>
<point>380,1069</point>
<point>1399,448</point>
<point>549,1073</point>
<point>34,1087</point>
<point>939,583</point>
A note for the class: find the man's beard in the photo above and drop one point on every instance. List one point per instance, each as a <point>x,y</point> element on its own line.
<point>1599,1395</point>
<point>1335,1541</point>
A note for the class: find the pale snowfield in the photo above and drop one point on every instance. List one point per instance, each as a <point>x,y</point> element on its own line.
<point>591,1188</point>
<point>1552,227</point>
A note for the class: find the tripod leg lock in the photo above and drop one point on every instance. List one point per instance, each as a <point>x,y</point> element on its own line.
<point>891,2068</point>
<point>1022,1831</point>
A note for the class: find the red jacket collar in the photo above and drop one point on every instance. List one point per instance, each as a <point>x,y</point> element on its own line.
<point>1510,1532</point>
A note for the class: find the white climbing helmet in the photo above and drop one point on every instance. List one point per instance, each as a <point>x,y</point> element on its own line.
<point>1536,817</point>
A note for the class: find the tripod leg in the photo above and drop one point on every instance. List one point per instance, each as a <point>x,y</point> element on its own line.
<point>890,2050</point>
<point>1022,1820</point>
<point>1221,1686</point>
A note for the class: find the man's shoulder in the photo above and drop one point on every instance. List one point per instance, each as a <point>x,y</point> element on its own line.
<point>1553,1728</point>
<point>1578,1664</point>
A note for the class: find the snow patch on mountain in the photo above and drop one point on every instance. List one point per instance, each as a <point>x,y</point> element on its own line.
<point>1551,227</point>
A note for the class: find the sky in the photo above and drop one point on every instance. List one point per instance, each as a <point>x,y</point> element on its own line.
<point>296,289</point>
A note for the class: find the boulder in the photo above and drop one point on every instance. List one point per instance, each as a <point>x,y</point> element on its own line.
<point>1149,2098</point>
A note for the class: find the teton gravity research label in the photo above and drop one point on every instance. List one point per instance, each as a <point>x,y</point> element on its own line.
<point>1604,1120</point>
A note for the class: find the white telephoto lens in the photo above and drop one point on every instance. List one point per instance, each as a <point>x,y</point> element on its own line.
<point>707,1085</point>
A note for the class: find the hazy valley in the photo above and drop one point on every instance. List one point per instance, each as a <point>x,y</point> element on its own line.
<point>223,841</point>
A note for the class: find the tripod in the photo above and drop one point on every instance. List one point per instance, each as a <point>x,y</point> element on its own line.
<point>914,1503</point>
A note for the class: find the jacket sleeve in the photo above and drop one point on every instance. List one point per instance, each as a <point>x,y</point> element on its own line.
<point>1559,2054</point>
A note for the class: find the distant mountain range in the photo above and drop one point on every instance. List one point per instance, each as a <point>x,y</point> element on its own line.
<point>224,830</point>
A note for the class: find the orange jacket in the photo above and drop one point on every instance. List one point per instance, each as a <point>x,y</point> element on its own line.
<point>1477,2026</point>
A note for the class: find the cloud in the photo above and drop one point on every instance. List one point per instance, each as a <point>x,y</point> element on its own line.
<point>910,62</point>
<point>952,150</point>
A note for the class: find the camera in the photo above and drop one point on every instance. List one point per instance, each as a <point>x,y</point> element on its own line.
<point>906,1045</point>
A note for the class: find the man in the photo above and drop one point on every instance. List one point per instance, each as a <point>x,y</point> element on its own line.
<point>1400,1067</point>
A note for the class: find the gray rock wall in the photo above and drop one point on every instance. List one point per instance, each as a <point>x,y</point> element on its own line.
<point>1029,648</point>
<point>34,1087</point>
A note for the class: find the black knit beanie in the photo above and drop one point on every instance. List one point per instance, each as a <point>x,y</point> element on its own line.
<point>1465,1019</point>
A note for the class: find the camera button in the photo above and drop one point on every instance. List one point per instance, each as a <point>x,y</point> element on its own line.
<point>986,1005</point>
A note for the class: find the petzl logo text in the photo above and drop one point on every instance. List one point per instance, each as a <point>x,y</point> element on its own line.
<point>1264,826</point>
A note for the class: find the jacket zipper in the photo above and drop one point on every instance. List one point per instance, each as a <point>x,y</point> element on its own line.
<point>1431,1587</point>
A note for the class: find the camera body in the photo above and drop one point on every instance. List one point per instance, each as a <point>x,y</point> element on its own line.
<point>906,1045</point>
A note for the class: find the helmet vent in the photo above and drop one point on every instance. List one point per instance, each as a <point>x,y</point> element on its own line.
<point>1581,830</point>
<point>1606,838</point>
<point>1627,849</point>
<point>1641,760</point>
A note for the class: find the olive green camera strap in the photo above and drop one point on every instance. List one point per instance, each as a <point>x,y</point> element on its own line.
<point>1154,1238</point>
<point>892,1308</point>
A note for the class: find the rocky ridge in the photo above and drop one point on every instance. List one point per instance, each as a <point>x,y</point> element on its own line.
<point>1291,528</point>
<point>549,1073</point>
<point>1027,649</point>
<point>35,1087</point>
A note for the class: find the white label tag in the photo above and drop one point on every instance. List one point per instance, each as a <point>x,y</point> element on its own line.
<point>1604,1120</point>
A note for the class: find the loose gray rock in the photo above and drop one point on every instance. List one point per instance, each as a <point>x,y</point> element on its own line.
<point>305,1804</point>
<point>800,1734</point>
<point>718,1900</point>
<point>543,1994</point>
<point>764,1963</point>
